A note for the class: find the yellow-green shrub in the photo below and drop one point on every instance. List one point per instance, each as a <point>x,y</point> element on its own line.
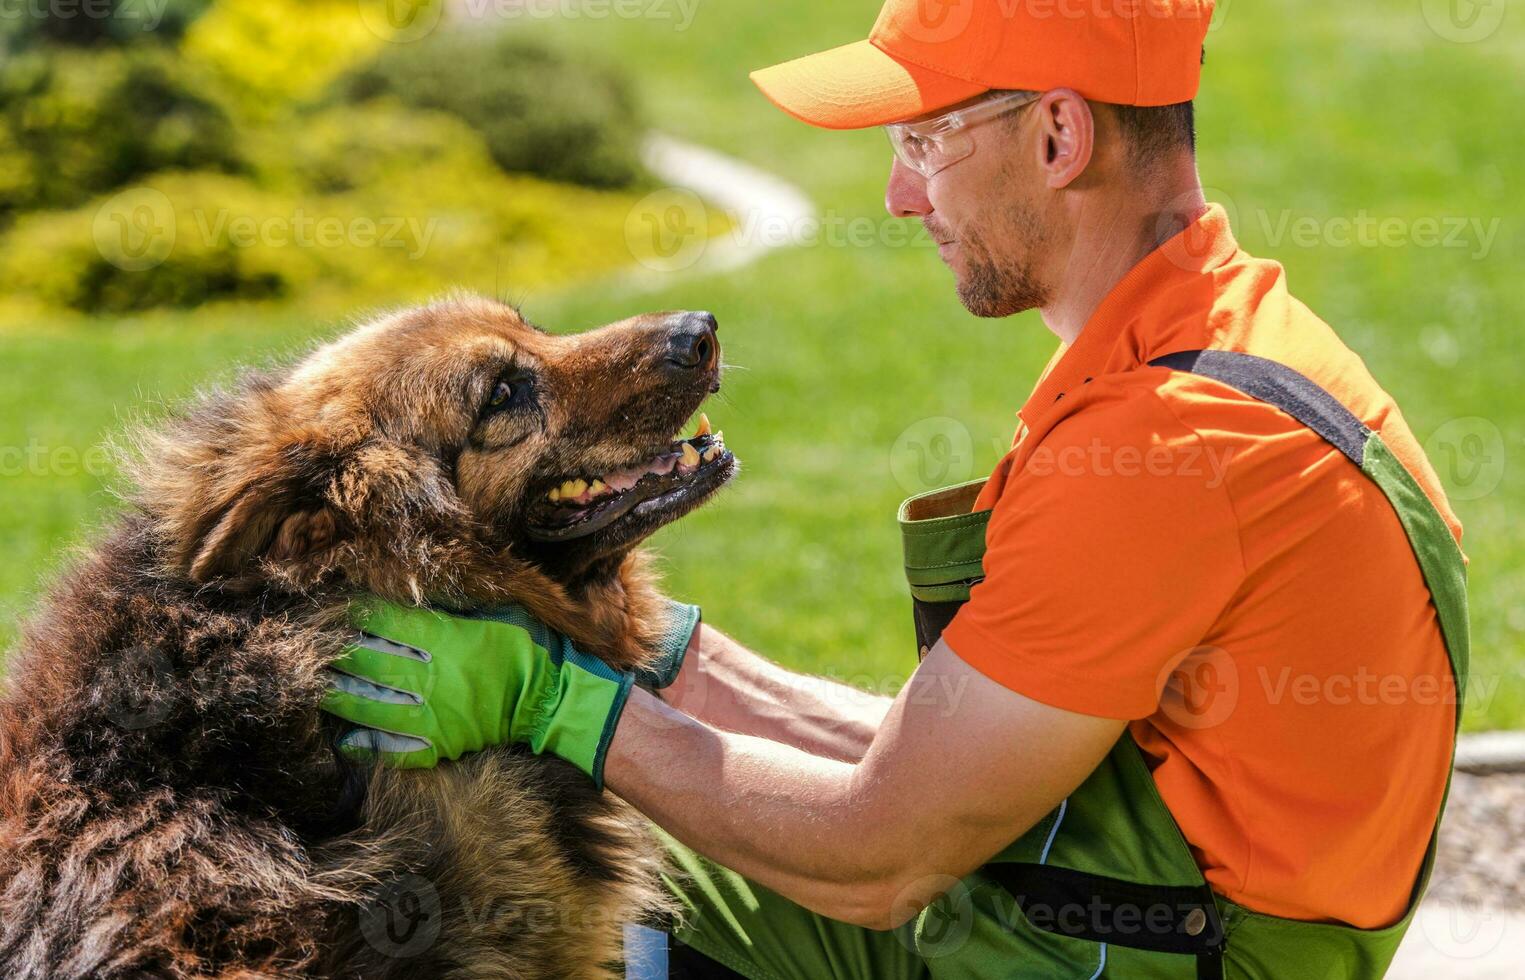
<point>270,54</point>
<point>183,239</point>
<point>76,122</point>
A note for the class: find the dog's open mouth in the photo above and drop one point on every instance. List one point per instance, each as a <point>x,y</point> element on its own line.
<point>669,482</point>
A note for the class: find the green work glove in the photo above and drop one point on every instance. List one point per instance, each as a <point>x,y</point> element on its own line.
<point>425,686</point>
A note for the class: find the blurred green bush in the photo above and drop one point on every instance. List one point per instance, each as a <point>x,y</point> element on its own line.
<point>255,150</point>
<point>75,122</point>
<point>540,111</point>
<point>349,147</point>
<point>96,23</point>
<point>167,243</point>
<point>343,214</point>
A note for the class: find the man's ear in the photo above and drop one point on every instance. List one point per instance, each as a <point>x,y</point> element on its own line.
<point>1067,136</point>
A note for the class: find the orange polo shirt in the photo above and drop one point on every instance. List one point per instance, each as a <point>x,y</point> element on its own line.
<point>1169,551</point>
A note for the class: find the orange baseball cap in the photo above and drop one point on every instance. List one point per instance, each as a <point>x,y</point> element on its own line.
<point>924,55</point>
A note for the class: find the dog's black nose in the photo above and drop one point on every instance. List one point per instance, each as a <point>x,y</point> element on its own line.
<point>692,343</point>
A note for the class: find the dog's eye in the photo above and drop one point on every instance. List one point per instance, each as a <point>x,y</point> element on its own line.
<point>502,394</point>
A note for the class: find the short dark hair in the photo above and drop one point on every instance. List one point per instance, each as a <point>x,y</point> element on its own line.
<point>1153,132</point>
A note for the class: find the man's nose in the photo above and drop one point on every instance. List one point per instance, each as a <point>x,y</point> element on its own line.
<point>906,194</point>
<point>691,342</point>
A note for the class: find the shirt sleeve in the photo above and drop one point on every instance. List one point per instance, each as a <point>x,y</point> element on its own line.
<point>1109,556</point>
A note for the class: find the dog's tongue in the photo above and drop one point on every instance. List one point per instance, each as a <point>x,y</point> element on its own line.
<point>622,480</point>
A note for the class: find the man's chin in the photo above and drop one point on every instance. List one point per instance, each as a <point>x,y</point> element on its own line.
<point>980,299</point>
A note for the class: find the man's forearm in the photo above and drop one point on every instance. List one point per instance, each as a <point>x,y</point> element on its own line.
<point>731,688</point>
<point>779,815</point>
<point>959,768</point>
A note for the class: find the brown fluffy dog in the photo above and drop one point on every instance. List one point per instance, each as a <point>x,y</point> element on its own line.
<point>170,801</point>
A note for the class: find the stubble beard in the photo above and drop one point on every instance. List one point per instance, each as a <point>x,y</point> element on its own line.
<point>1002,286</point>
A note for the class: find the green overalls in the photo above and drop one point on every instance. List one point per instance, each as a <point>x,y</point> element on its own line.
<point>1105,885</point>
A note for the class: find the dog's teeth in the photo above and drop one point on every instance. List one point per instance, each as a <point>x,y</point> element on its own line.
<point>704,426</point>
<point>597,487</point>
<point>555,495</point>
<point>711,453</point>
<point>690,455</point>
<point>574,488</point>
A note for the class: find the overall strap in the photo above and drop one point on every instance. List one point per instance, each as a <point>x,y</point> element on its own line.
<point>1439,557</point>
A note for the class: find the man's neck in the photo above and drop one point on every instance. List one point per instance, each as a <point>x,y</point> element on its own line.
<point>1111,237</point>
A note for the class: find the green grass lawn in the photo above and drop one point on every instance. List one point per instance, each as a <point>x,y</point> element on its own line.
<point>1308,112</point>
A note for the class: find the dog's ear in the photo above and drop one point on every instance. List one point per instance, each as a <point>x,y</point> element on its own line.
<point>263,527</point>
<point>269,520</point>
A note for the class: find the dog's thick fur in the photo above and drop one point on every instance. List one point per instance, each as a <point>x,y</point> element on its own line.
<point>171,804</point>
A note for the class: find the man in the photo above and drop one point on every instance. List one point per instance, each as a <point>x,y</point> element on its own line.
<point>1197,713</point>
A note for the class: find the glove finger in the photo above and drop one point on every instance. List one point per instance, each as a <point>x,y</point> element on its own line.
<point>369,690</point>
<point>392,760</point>
<point>387,663</point>
<point>407,719</point>
<point>374,741</point>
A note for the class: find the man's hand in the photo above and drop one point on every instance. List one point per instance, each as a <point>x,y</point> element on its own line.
<point>425,686</point>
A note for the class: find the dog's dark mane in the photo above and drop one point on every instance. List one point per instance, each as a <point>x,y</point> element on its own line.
<point>160,743</point>
<point>171,804</point>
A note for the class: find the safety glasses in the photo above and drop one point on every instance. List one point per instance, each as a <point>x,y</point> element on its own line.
<point>935,144</point>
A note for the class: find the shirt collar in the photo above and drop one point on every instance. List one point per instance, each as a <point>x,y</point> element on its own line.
<point>1196,250</point>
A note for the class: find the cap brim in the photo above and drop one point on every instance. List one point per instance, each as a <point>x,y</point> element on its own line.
<point>858,85</point>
